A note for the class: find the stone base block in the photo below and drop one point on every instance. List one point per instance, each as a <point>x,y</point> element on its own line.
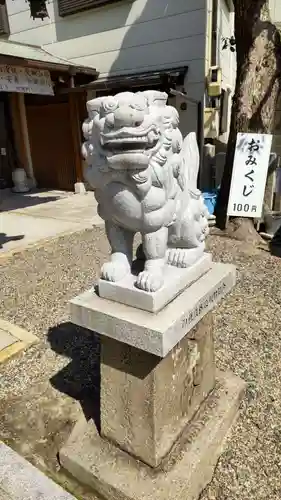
<point>154,333</point>
<point>183,473</point>
<point>176,280</point>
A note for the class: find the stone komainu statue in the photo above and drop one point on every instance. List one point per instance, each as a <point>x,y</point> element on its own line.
<point>145,180</point>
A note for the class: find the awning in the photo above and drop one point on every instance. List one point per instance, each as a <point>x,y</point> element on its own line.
<point>33,56</point>
<point>167,78</point>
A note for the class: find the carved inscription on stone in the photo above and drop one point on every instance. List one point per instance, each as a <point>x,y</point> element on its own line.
<point>204,305</point>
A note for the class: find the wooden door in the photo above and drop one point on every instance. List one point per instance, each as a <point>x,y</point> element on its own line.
<point>51,145</point>
<point>5,167</point>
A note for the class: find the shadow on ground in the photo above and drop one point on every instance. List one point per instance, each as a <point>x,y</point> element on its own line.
<point>6,239</point>
<point>11,201</point>
<point>80,379</point>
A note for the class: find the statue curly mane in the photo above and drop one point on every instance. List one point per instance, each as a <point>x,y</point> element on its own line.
<point>143,172</point>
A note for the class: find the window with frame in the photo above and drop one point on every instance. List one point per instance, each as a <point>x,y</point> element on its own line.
<point>4,20</point>
<point>68,7</point>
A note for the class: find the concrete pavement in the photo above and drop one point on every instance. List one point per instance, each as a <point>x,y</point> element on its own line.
<point>30,218</point>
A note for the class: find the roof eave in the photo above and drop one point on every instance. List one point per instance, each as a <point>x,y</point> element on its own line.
<point>133,79</point>
<point>67,68</point>
<point>51,66</point>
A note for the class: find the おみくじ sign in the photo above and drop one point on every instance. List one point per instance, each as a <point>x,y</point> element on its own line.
<point>249,175</point>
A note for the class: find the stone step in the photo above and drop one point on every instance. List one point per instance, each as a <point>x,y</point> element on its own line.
<point>19,480</point>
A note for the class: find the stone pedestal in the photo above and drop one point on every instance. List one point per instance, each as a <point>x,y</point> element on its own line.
<point>147,401</point>
<point>164,410</point>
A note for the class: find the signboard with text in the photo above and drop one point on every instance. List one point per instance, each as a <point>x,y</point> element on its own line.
<point>25,80</point>
<point>249,175</point>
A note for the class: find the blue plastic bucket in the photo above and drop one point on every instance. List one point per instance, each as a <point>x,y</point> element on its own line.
<point>210,199</point>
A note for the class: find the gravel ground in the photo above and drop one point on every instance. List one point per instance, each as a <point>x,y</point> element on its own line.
<point>43,389</point>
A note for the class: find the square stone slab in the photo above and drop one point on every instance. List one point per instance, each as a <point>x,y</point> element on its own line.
<point>154,333</point>
<point>183,474</point>
<point>6,339</point>
<point>176,280</point>
<point>13,339</point>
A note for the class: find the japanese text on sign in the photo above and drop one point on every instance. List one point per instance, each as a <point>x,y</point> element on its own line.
<point>25,80</point>
<point>249,175</point>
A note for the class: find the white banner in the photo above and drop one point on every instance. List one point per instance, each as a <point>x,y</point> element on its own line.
<point>25,80</point>
<point>249,175</point>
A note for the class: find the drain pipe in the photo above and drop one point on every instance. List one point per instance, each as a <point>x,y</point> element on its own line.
<point>214,38</point>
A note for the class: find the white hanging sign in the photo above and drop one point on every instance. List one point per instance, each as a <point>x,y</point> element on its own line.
<point>249,175</point>
<point>25,80</point>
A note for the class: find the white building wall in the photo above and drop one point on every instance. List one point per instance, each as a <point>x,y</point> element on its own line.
<point>275,10</point>
<point>123,37</point>
<point>226,59</point>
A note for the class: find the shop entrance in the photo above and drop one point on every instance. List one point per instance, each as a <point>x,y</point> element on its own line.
<point>51,142</point>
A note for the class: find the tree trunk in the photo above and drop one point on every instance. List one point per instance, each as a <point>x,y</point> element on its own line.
<point>256,93</point>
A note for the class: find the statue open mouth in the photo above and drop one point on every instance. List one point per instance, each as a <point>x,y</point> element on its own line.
<point>126,145</point>
<point>128,141</point>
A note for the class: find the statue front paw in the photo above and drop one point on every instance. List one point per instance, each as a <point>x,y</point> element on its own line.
<point>114,271</point>
<point>184,257</point>
<point>149,281</point>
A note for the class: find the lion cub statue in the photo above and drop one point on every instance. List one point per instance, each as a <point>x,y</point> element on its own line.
<point>145,180</point>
